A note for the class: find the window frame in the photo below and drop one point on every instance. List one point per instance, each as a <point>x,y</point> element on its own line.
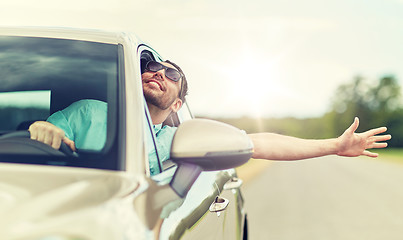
<point>147,53</point>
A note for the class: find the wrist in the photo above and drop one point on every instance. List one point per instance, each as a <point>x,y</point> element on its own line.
<point>337,146</point>
<point>334,146</point>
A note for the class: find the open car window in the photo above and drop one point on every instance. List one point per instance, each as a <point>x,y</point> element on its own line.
<point>154,159</point>
<point>42,77</point>
<point>159,137</point>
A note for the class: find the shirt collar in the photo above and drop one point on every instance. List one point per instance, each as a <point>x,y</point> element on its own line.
<point>157,128</point>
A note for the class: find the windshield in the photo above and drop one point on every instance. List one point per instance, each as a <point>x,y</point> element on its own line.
<point>59,81</point>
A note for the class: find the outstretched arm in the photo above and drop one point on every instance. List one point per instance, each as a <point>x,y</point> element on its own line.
<point>350,144</point>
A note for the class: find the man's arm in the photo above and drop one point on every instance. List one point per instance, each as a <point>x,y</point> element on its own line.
<point>83,123</point>
<point>350,144</point>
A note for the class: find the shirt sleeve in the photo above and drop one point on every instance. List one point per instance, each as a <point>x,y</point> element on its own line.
<point>59,120</point>
<point>84,122</point>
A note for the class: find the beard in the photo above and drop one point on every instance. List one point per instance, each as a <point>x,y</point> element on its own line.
<point>162,101</point>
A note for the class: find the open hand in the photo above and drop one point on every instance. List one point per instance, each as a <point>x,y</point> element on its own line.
<point>353,144</point>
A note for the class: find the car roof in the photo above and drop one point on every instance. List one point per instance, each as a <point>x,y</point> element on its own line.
<point>92,35</point>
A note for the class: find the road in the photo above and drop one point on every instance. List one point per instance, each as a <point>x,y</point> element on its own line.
<point>330,198</point>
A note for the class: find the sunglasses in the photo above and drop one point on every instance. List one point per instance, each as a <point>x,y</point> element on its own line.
<point>170,73</point>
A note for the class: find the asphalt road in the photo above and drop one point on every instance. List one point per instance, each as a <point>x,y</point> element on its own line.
<point>326,198</point>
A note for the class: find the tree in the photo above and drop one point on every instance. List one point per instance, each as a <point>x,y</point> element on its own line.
<point>376,105</point>
<point>351,100</point>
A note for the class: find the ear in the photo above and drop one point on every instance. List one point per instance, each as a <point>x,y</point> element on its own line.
<point>176,105</point>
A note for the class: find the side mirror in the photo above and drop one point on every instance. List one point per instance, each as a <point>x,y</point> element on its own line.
<point>206,145</point>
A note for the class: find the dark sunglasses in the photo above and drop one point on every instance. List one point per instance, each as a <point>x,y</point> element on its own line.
<point>170,73</point>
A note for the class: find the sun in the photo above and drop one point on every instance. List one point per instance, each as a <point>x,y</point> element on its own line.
<point>253,85</point>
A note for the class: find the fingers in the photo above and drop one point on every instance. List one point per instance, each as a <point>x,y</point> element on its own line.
<point>370,154</point>
<point>378,141</point>
<point>379,145</point>
<point>357,143</point>
<point>381,138</point>
<point>368,133</point>
<point>33,132</point>
<point>47,133</point>
<point>376,131</point>
<point>70,143</point>
<point>354,125</point>
<point>54,141</point>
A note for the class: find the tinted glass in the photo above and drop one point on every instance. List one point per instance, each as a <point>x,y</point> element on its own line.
<point>40,76</point>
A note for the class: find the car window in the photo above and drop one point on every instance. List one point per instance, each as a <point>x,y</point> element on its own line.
<point>159,137</point>
<point>19,108</point>
<point>184,113</point>
<point>40,77</point>
<point>174,120</point>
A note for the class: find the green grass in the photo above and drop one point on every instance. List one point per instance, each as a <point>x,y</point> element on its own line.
<point>390,154</point>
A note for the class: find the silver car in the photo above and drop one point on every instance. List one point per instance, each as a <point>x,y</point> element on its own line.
<point>48,194</point>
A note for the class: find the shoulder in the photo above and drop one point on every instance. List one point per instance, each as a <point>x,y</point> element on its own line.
<point>85,105</point>
<point>166,133</point>
<point>88,103</point>
<point>168,129</point>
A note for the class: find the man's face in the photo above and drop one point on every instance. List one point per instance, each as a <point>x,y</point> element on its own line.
<point>159,90</point>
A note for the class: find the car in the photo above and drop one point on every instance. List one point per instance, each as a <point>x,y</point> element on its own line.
<point>108,193</point>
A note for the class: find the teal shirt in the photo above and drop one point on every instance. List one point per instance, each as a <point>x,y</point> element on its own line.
<point>85,123</point>
<point>164,136</point>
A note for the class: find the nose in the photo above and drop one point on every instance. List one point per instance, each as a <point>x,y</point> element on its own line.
<point>160,74</point>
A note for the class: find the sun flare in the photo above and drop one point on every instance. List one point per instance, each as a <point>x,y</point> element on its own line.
<point>253,83</point>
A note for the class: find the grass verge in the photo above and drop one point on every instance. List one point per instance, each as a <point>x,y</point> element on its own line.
<point>252,168</point>
<point>390,154</point>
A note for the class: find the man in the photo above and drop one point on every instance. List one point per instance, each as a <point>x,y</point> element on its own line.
<point>165,87</point>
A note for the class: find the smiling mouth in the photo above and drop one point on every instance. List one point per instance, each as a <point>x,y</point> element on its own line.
<point>156,83</point>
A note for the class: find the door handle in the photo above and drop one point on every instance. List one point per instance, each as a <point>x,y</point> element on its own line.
<point>219,204</point>
<point>233,183</point>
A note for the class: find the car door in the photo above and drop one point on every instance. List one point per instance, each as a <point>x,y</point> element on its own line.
<point>211,209</point>
<point>230,215</point>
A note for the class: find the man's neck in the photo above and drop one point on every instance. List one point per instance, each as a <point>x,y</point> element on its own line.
<point>158,115</point>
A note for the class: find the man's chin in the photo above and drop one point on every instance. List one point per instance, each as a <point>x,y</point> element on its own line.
<point>157,101</point>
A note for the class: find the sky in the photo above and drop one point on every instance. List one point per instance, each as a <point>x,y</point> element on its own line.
<point>257,58</point>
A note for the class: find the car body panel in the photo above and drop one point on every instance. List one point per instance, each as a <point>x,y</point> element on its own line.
<point>38,201</point>
<point>193,220</point>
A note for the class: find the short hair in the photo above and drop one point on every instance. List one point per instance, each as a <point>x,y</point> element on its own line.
<point>184,84</point>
